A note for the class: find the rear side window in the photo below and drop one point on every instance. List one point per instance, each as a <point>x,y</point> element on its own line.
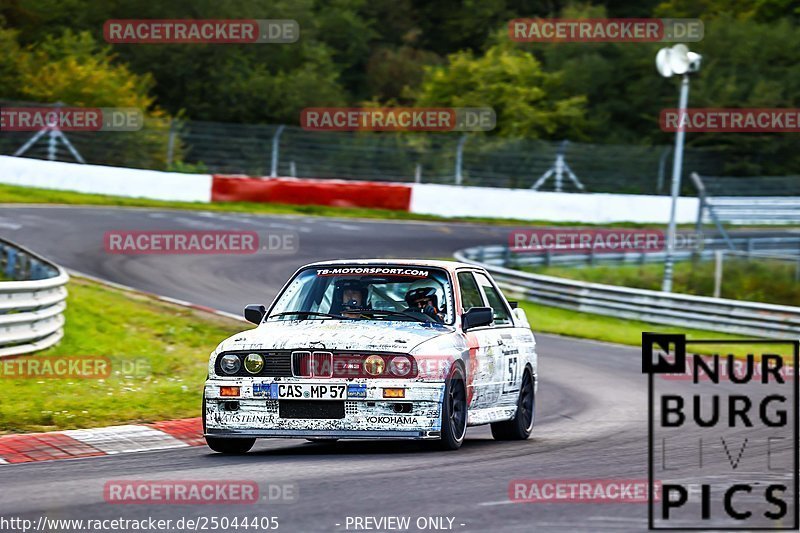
<point>495,301</point>
<point>470,294</point>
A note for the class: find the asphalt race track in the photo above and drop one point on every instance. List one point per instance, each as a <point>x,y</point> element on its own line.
<point>591,412</point>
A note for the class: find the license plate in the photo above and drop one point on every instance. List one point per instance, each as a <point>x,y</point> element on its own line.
<point>311,391</point>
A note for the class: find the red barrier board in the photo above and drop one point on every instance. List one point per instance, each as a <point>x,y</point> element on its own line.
<point>299,191</point>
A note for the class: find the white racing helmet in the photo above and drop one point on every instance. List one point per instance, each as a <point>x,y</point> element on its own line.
<point>425,289</point>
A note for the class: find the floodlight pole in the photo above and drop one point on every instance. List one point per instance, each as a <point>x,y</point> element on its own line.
<point>677,164</point>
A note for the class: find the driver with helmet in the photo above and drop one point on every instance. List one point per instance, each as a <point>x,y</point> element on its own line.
<point>350,296</point>
<point>422,297</point>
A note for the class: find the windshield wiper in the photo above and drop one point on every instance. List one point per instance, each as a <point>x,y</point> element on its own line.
<point>308,313</point>
<point>397,313</point>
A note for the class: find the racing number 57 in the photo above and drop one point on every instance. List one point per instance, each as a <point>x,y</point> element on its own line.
<point>512,372</point>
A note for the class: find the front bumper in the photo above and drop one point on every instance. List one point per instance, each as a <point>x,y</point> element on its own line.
<point>369,416</point>
<point>322,434</point>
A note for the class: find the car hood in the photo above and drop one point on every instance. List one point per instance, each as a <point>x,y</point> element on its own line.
<point>390,336</point>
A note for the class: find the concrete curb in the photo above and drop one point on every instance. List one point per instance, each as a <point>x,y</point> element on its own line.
<point>113,440</point>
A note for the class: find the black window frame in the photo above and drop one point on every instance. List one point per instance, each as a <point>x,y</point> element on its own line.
<point>503,301</point>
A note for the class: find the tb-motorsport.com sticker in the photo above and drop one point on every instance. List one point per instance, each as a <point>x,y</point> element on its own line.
<point>722,433</point>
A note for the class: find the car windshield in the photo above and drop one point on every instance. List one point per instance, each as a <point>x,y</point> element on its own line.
<point>407,293</point>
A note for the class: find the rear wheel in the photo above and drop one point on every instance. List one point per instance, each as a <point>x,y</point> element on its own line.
<point>230,446</point>
<point>454,411</point>
<point>521,426</point>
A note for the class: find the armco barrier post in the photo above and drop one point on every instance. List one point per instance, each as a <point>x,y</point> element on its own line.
<point>276,139</point>
<point>11,262</point>
<point>718,259</point>
<point>460,159</point>
<point>171,143</point>
<point>507,257</point>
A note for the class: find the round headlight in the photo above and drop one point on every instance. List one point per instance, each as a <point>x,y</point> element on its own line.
<point>253,363</point>
<point>374,365</point>
<point>400,365</point>
<point>230,364</point>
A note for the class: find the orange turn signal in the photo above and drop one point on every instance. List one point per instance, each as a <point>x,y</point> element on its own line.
<point>229,391</point>
<point>394,393</point>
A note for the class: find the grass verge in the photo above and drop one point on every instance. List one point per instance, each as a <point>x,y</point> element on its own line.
<point>159,354</point>
<point>545,319</point>
<point>755,280</point>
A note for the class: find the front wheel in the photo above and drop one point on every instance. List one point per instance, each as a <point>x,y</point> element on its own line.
<point>454,411</point>
<point>230,446</point>
<point>521,426</point>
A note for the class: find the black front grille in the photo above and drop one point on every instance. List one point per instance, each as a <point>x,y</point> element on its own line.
<point>318,409</point>
<point>276,364</point>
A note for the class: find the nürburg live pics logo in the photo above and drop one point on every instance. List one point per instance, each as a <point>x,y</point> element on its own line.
<point>722,433</point>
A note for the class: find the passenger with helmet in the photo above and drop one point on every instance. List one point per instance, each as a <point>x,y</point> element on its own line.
<point>350,296</point>
<point>422,297</point>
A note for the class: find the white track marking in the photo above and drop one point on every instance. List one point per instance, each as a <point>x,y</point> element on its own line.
<point>123,439</point>
<point>9,225</point>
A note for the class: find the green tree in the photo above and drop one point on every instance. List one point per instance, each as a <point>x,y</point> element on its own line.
<point>232,83</point>
<point>512,82</point>
<point>72,68</point>
<point>755,10</point>
<point>9,57</point>
<point>393,73</point>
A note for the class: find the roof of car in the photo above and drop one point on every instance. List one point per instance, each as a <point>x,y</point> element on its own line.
<point>447,265</point>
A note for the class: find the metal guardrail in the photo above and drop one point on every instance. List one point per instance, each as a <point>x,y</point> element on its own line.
<point>719,205</point>
<point>32,303</point>
<point>695,312</point>
<point>753,210</point>
<point>760,246</point>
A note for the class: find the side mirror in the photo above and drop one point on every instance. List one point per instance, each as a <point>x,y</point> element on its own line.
<point>255,313</point>
<point>477,317</point>
<point>513,305</point>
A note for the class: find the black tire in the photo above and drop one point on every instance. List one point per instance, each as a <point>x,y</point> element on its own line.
<point>521,426</point>
<point>226,445</point>
<point>454,411</point>
<point>230,446</point>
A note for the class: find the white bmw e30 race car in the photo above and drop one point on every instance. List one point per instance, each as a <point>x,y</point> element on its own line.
<point>375,349</point>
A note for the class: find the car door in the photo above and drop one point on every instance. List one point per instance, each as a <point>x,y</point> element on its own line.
<point>483,347</point>
<point>508,364</point>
